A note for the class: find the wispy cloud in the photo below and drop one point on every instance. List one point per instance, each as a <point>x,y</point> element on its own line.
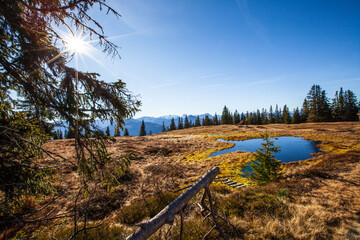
<point>252,22</point>
<point>165,85</point>
<point>262,82</point>
<point>213,86</point>
<point>207,76</point>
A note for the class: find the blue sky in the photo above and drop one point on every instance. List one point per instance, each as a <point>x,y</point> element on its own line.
<point>193,57</point>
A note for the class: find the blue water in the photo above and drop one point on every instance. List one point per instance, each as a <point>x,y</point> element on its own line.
<point>291,148</point>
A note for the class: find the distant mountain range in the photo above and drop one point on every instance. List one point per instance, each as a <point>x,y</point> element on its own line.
<point>153,124</point>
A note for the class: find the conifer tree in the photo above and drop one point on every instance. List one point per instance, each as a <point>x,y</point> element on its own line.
<point>150,132</point>
<point>296,116</point>
<point>258,117</point>
<point>226,117</point>
<point>107,132</point>
<point>207,121</point>
<point>236,118</point>
<point>70,133</point>
<point>338,106</point>
<point>351,106</point>
<point>172,125</point>
<point>180,123</point>
<point>163,129</point>
<point>216,120</point>
<point>126,132</point>
<point>142,129</point>
<point>197,121</point>
<point>264,117</point>
<point>304,111</point>
<point>319,109</point>
<point>266,167</point>
<point>286,118</point>
<point>271,115</point>
<point>186,122</point>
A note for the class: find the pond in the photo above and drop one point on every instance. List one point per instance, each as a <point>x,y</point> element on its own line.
<point>292,148</point>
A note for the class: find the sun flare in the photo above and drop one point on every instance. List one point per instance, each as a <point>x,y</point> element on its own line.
<point>76,44</point>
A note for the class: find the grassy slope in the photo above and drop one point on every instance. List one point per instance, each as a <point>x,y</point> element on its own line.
<point>317,199</point>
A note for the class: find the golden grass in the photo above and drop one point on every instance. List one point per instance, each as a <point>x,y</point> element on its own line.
<point>318,198</point>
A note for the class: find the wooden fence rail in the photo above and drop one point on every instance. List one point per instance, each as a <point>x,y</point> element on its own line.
<point>167,215</point>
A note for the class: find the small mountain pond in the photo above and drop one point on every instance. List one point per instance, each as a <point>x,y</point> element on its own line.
<point>291,148</point>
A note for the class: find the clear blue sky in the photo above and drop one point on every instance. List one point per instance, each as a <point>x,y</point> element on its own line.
<point>193,57</point>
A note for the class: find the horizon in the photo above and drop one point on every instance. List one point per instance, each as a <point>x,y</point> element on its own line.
<point>190,57</point>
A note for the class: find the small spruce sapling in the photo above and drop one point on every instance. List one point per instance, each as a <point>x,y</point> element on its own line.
<point>266,167</point>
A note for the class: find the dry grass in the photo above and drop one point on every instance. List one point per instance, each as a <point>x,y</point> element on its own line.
<point>317,199</point>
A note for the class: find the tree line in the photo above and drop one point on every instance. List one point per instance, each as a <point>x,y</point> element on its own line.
<point>317,107</point>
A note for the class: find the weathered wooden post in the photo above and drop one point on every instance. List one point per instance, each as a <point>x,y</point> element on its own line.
<point>167,215</point>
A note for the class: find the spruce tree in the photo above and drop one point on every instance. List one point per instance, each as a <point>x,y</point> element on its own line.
<point>351,106</point>
<point>150,132</point>
<point>296,116</point>
<point>163,129</point>
<point>216,120</point>
<point>180,123</point>
<point>172,125</point>
<point>271,115</point>
<point>107,132</point>
<point>266,167</point>
<point>286,118</point>
<point>319,109</point>
<point>186,122</point>
<point>264,117</point>
<point>226,117</point>
<point>126,132</point>
<point>197,121</point>
<point>142,129</point>
<point>236,118</point>
<point>304,113</point>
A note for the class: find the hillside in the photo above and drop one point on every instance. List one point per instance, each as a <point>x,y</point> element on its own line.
<point>317,198</point>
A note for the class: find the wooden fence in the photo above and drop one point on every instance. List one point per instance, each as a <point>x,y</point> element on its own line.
<point>167,215</point>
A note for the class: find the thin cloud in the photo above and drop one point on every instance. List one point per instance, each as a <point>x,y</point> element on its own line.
<point>209,76</point>
<point>165,85</point>
<point>213,85</point>
<point>252,22</point>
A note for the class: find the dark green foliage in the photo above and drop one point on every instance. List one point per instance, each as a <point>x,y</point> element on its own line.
<point>304,111</point>
<point>207,121</point>
<point>197,121</point>
<point>126,132</point>
<point>180,123</point>
<point>318,106</point>
<point>286,118</point>
<point>226,117</point>
<point>345,106</point>
<point>142,129</point>
<point>216,120</point>
<point>264,117</point>
<point>163,128</point>
<point>172,125</point>
<point>150,132</point>
<point>32,65</point>
<point>186,122</point>
<point>107,132</point>
<point>296,116</point>
<point>271,115</point>
<point>236,118</point>
<point>266,167</point>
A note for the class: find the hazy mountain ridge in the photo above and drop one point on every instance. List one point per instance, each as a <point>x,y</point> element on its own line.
<point>153,124</point>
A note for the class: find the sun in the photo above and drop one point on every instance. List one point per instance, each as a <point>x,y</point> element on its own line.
<point>75,44</point>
